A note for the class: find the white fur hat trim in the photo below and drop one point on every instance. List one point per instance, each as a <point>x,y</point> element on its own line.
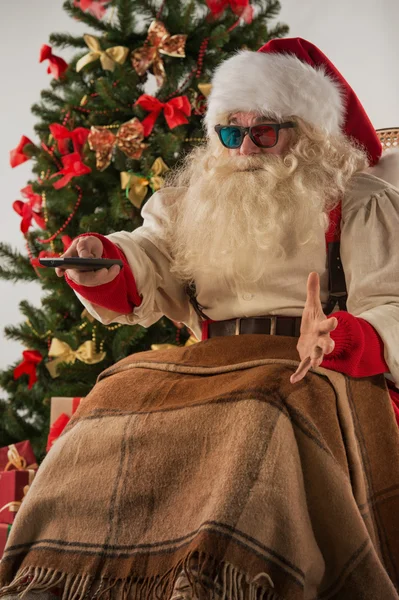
<point>277,83</point>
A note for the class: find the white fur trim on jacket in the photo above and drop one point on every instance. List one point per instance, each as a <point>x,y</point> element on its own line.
<point>276,83</point>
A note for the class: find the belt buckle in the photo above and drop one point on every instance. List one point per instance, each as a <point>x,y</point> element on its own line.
<point>273,325</point>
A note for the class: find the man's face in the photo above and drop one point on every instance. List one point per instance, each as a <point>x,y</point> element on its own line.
<point>244,207</point>
<point>248,148</point>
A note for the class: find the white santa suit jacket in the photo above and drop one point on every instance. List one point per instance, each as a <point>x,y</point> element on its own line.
<point>369,253</point>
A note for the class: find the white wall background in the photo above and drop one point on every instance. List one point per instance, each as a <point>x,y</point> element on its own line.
<point>360,37</point>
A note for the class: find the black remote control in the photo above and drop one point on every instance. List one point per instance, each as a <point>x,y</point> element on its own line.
<point>81,264</point>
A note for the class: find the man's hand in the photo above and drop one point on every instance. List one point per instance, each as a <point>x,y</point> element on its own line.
<point>88,247</point>
<point>315,340</point>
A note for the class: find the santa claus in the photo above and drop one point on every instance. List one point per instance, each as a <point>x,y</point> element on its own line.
<point>274,237</point>
<point>245,221</point>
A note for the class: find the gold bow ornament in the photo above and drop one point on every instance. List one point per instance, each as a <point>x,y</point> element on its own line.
<point>159,41</point>
<point>205,89</point>
<point>16,461</point>
<point>63,353</point>
<point>128,138</point>
<point>108,58</point>
<point>136,185</point>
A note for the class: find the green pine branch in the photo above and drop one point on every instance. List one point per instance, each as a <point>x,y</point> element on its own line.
<point>7,436</point>
<point>23,335</point>
<point>14,266</point>
<point>65,40</point>
<point>125,339</point>
<point>125,17</point>
<point>272,9</point>
<point>105,89</point>
<point>40,110</point>
<point>188,17</point>
<point>52,98</point>
<point>278,31</point>
<point>17,424</point>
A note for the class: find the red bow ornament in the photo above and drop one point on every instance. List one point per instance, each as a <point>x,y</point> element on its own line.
<point>97,8</point>
<point>241,8</point>
<point>66,242</point>
<point>43,254</point>
<point>57,65</point>
<point>73,167</point>
<point>28,366</point>
<point>175,111</point>
<point>61,134</point>
<point>32,209</point>
<point>17,156</point>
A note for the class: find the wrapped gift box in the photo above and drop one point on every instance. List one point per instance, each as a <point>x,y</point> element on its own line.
<point>61,410</point>
<point>17,456</point>
<point>4,533</point>
<point>62,405</point>
<point>13,487</point>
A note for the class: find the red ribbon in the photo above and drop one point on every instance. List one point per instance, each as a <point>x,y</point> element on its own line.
<point>56,429</point>
<point>66,241</point>
<point>73,167</point>
<point>95,7</point>
<point>28,366</point>
<point>175,111</point>
<point>32,209</point>
<point>241,8</point>
<point>57,65</point>
<point>61,134</point>
<point>17,156</point>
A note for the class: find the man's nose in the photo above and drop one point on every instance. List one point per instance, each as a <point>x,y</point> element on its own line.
<point>248,147</point>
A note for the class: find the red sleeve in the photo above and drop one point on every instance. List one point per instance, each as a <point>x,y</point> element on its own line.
<point>358,351</point>
<point>120,294</point>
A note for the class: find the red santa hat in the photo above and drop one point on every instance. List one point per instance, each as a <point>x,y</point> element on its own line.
<point>287,77</point>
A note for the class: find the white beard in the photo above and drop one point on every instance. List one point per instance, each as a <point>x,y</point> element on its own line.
<point>242,212</point>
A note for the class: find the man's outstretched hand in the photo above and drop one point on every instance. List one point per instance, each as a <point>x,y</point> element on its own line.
<point>88,247</point>
<point>314,341</point>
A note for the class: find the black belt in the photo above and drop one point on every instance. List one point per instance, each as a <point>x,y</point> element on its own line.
<point>272,325</point>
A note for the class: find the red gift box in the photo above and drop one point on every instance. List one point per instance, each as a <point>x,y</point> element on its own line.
<point>13,488</point>
<point>4,533</point>
<point>62,409</point>
<point>17,456</point>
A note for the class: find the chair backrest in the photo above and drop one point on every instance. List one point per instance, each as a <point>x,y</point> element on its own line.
<point>389,137</point>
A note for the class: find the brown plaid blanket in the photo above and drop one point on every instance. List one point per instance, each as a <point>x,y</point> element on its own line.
<point>202,472</point>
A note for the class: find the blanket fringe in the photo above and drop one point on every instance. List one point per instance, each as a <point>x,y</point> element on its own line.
<point>197,577</point>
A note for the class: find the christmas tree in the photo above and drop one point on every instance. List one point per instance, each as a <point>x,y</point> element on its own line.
<point>112,122</point>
